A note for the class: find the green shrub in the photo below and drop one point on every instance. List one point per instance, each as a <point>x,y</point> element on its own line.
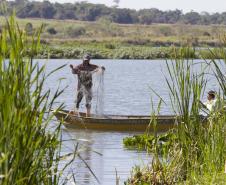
<point>51,31</point>
<point>75,31</point>
<point>29,28</point>
<point>206,34</point>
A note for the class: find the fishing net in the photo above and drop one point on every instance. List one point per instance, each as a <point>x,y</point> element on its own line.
<point>98,92</point>
<point>95,81</point>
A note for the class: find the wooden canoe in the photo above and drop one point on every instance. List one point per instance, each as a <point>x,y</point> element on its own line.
<point>113,122</point>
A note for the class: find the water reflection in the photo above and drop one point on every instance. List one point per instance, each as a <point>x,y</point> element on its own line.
<point>104,154</point>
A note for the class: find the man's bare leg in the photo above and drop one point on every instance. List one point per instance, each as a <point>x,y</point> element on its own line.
<point>78,101</point>
<point>76,111</point>
<point>88,112</point>
<point>88,102</point>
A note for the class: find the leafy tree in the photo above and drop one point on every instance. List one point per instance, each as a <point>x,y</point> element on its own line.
<point>192,18</point>
<point>47,10</point>
<point>125,16</point>
<point>91,12</point>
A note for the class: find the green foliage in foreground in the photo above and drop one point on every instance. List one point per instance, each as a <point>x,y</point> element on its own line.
<point>29,151</point>
<point>153,175</point>
<point>198,154</point>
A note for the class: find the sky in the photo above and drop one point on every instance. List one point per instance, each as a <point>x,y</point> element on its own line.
<point>210,6</point>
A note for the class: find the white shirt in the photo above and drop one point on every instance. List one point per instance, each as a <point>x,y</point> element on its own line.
<point>210,104</point>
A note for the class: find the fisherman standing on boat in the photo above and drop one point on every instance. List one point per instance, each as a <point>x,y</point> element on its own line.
<point>84,72</point>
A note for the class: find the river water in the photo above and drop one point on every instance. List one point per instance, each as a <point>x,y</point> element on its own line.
<point>127,92</point>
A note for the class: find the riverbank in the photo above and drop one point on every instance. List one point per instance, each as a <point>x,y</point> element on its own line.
<point>70,39</point>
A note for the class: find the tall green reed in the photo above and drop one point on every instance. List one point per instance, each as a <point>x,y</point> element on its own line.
<point>200,147</point>
<point>29,151</point>
<point>185,89</point>
<point>197,155</point>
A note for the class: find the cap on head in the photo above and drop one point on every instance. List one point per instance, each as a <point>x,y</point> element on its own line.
<point>86,57</point>
<point>211,92</point>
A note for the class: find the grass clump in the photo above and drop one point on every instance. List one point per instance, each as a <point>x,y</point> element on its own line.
<point>29,150</point>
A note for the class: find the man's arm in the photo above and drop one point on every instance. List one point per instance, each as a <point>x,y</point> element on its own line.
<point>74,70</point>
<point>97,68</point>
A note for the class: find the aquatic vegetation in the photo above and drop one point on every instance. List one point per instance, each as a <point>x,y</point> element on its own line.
<point>99,51</point>
<point>147,142</point>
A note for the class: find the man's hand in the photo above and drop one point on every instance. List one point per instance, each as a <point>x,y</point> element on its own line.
<point>74,70</point>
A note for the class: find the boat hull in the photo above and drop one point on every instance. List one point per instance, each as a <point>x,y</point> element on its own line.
<point>115,123</point>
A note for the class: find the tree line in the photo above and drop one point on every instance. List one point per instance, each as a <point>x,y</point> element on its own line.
<point>92,12</point>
